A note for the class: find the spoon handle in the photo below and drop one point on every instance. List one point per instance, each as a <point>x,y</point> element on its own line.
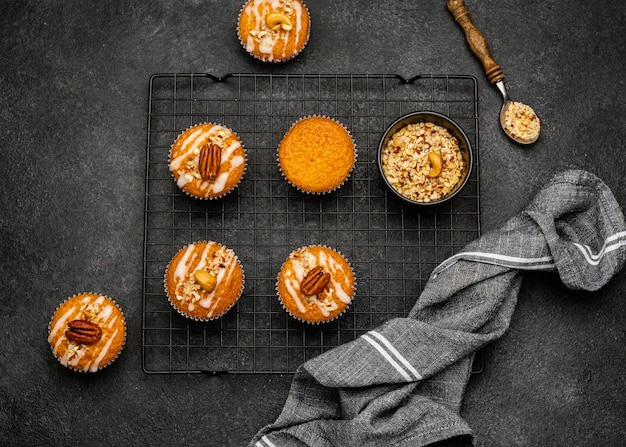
<point>476,40</point>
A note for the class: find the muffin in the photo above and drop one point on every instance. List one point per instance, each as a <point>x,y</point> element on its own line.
<point>204,280</point>
<point>87,332</point>
<point>315,284</point>
<point>317,154</point>
<point>274,30</point>
<point>207,160</point>
<point>521,122</point>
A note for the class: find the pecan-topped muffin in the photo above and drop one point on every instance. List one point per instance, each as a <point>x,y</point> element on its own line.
<point>207,160</point>
<point>204,280</point>
<point>87,332</point>
<point>315,284</point>
<point>274,30</point>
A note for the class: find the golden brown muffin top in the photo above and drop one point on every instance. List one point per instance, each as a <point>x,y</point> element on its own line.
<point>316,154</point>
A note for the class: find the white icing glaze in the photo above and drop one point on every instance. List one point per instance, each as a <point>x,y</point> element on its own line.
<point>60,324</point>
<point>219,184</point>
<point>181,267</point>
<point>183,180</point>
<point>104,351</point>
<point>292,287</point>
<point>105,313</point>
<point>191,142</point>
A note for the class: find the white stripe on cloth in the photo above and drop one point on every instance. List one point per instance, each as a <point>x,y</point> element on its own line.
<point>541,263</point>
<point>393,356</point>
<point>264,442</point>
<point>610,244</point>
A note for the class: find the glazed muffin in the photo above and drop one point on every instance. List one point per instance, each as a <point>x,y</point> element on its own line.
<point>317,154</point>
<point>207,160</point>
<point>87,332</point>
<point>204,280</point>
<point>274,30</point>
<point>315,284</point>
<point>521,122</point>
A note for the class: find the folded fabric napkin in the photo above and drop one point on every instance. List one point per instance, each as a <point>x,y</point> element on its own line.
<point>402,383</point>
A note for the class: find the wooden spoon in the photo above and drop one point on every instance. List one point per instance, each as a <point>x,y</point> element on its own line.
<point>520,127</point>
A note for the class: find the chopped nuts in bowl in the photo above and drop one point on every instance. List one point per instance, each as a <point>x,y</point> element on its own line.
<point>425,158</point>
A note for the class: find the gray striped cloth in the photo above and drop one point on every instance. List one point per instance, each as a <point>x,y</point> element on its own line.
<point>402,383</point>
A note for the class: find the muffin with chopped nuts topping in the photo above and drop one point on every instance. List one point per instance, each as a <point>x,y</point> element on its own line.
<point>87,332</point>
<point>315,284</point>
<point>274,30</point>
<point>207,160</point>
<point>204,280</point>
<point>317,154</point>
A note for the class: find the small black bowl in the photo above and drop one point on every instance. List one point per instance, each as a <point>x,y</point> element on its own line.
<point>443,121</point>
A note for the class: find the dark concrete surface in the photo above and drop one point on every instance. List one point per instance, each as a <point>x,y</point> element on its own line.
<point>73,104</point>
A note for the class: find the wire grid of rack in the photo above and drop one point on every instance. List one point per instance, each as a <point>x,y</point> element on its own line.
<point>392,247</point>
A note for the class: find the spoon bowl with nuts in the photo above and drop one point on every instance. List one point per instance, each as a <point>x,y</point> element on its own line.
<point>518,120</point>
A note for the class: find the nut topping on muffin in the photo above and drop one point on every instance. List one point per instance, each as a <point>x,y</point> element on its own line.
<point>209,161</point>
<point>83,332</point>
<point>277,21</point>
<point>207,280</point>
<point>315,281</point>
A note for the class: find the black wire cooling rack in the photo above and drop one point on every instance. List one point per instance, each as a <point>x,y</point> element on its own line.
<point>392,247</point>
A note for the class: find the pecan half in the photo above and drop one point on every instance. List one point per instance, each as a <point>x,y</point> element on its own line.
<point>209,161</point>
<point>314,281</point>
<point>83,332</point>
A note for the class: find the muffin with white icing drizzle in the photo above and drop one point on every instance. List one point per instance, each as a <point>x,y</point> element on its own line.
<point>204,280</point>
<point>274,30</point>
<point>316,284</point>
<point>207,160</point>
<point>87,332</point>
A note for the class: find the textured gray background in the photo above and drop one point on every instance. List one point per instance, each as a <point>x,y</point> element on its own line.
<point>73,104</point>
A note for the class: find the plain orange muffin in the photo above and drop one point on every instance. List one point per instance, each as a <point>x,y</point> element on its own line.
<point>315,284</point>
<point>87,332</point>
<point>204,280</point>
<point>274,30</point>
<point>317,154</point>
<point>207,160</point>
